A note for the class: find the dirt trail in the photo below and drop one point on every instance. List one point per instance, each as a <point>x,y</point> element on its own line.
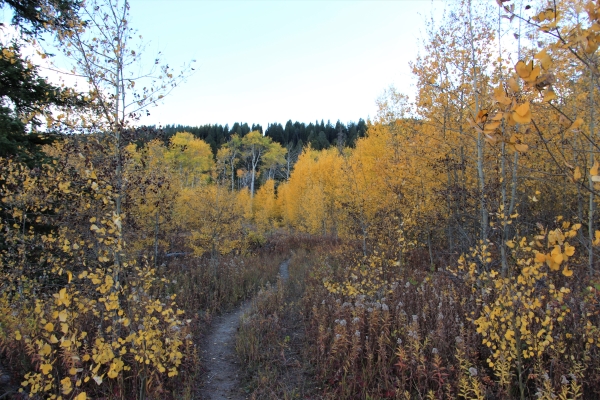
<point>222,378</point>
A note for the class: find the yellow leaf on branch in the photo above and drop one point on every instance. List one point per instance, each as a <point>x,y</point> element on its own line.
<point>544,58</point>
<point>577,174</point>
<point>522,114</point>
<point>46,368</point>
<point>521,147</point>
<point>576,124</point>
<point>594,169</point>
<point>549,95</point>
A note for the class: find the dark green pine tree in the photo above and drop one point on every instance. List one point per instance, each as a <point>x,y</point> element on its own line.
<point>22,91</point>
<point>34,16</point>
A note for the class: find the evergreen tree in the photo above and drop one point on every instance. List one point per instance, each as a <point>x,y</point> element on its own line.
<point>293,136</point>
<point>24,94</point>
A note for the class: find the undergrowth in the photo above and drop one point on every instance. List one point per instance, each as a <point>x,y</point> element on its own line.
<point>456,331</point>
<point>460,331</point>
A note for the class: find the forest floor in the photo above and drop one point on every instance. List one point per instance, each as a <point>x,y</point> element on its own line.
<point>223,376</point>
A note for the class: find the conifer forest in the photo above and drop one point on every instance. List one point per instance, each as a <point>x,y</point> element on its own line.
<point>447,247</point>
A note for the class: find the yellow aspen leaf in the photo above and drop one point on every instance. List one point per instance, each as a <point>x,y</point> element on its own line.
<point>49,327</point>
<point>552,265</point>
<point>521,147</point>
<point>540,257</point>
<point>513,85</point>
<point>62,297</point>
<point>481,116</point>
<point>549,95</point>
<point>46,350</point>
<point>544,58</point>
<point>556,254</point>
<point>45,368</point>
<point>534,74</point>
<point>492,126</point>
<point>576,124</point>
<point>594,169</point>
<point>80,396</point>
<point>522,109</point>
<point>53,339</point>
<point>18,335</point>
<point>522,114</point>
<point>567,272</point>
<point>591,45</point>
<point>569,250</point>
<point>500,96</point>
<point>67,386</point>
<point>523,69</point>
<point>69,276</point>
<point>577,174</point>
<point>595,178</point>
<point>66,344</point>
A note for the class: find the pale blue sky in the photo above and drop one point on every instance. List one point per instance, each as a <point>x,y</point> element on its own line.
<point>270,61</point>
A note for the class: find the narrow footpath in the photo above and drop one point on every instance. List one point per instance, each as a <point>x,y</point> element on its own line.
<point>222,379</point>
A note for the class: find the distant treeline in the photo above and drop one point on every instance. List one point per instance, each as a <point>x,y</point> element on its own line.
<point>294,135</point>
